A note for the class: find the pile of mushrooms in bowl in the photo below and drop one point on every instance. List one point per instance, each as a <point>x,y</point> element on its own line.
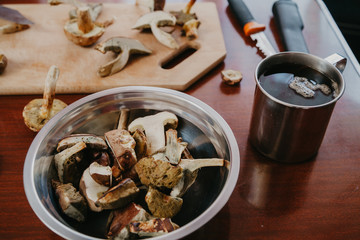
<point>162,183</point>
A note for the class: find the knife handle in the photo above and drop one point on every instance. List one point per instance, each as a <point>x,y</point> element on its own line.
<point>245,18</point>
<point>290,25</point>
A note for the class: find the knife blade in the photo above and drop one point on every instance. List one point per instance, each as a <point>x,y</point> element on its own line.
<point>251,28</point>
<point>12,15</point>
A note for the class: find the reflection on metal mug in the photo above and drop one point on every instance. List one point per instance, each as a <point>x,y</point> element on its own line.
<point>294,98</point>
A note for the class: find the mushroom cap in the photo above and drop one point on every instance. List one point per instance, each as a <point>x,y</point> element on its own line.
<point>74,34</point>
<point>231,77</point>
<point>119,195</point>
<point>162,205</point>
<point>31,113</point>
<point>91,140</point>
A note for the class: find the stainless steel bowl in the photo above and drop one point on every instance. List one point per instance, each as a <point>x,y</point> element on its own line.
<point>203,128</point>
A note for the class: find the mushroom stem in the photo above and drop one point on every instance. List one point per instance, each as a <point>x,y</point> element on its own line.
<point>124,116</point>
<point>85,24</point>
<point>189,6</point>
<point>49,91</point>
<point>193,164</point>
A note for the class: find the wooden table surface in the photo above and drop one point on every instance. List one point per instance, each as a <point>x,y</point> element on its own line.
<point>318,199</point>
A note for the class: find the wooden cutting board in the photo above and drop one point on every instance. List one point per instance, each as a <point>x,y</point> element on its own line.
<point>31,52</point>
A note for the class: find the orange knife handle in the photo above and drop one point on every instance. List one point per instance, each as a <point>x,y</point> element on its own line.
<point>253,27</point>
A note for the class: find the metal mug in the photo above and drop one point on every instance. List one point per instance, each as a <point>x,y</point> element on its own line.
<point>289,132</point>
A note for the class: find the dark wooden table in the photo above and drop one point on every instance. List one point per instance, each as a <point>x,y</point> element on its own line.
<point>319,199</point>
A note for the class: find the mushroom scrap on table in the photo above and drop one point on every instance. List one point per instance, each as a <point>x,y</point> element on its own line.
<point>107,173</point>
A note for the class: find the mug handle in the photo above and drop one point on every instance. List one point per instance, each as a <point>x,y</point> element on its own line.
<point>338,61</point>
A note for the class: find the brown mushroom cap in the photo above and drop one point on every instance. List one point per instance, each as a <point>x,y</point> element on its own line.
<point>31,112</point>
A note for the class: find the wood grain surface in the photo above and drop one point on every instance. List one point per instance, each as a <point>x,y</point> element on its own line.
<point>30,53</point>
<point>318,199</point>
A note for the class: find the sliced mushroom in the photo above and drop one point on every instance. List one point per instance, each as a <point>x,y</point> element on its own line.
<point>102,158</point>
<point>162,205</point>
<point>153,5</point>
<point>124,47</point>
<point>82,30</point>
<point>152,228</point>
<point>91,190</point>
<point>3,63</point>
<point>153,126</point>
<point>173,149</point>
<point>122,146</point>
<point>231,77</point>
<point>70,164</point>
<point>92,141</point>
<point>39,111</point>
<point>184,15</point>
<point>119,220</point>
<point>12,21</point>
<point>158,173</point>
<point>71,202</point>
<point>154,20</point>
<point>141,143</point>
<point>123,119</point>
<point>190,169</point>
<point>119,195</point>
<point>101,174</point>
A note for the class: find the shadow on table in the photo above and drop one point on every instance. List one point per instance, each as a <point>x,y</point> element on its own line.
<point>273,187</point>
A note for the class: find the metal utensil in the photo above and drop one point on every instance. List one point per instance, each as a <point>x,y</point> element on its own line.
<point>251,28</point>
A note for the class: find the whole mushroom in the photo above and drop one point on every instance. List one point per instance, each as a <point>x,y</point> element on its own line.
<point>82,30</point>
<point>39,111</point>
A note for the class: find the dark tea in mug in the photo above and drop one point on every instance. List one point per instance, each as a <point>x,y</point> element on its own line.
<point>298,84</point>
<point>294,98</point>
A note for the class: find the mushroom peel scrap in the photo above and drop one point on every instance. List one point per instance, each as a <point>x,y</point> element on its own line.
<point>39,111</point>
<point>124,47</point>
<point>82,30</point>
<point>154,20</point>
